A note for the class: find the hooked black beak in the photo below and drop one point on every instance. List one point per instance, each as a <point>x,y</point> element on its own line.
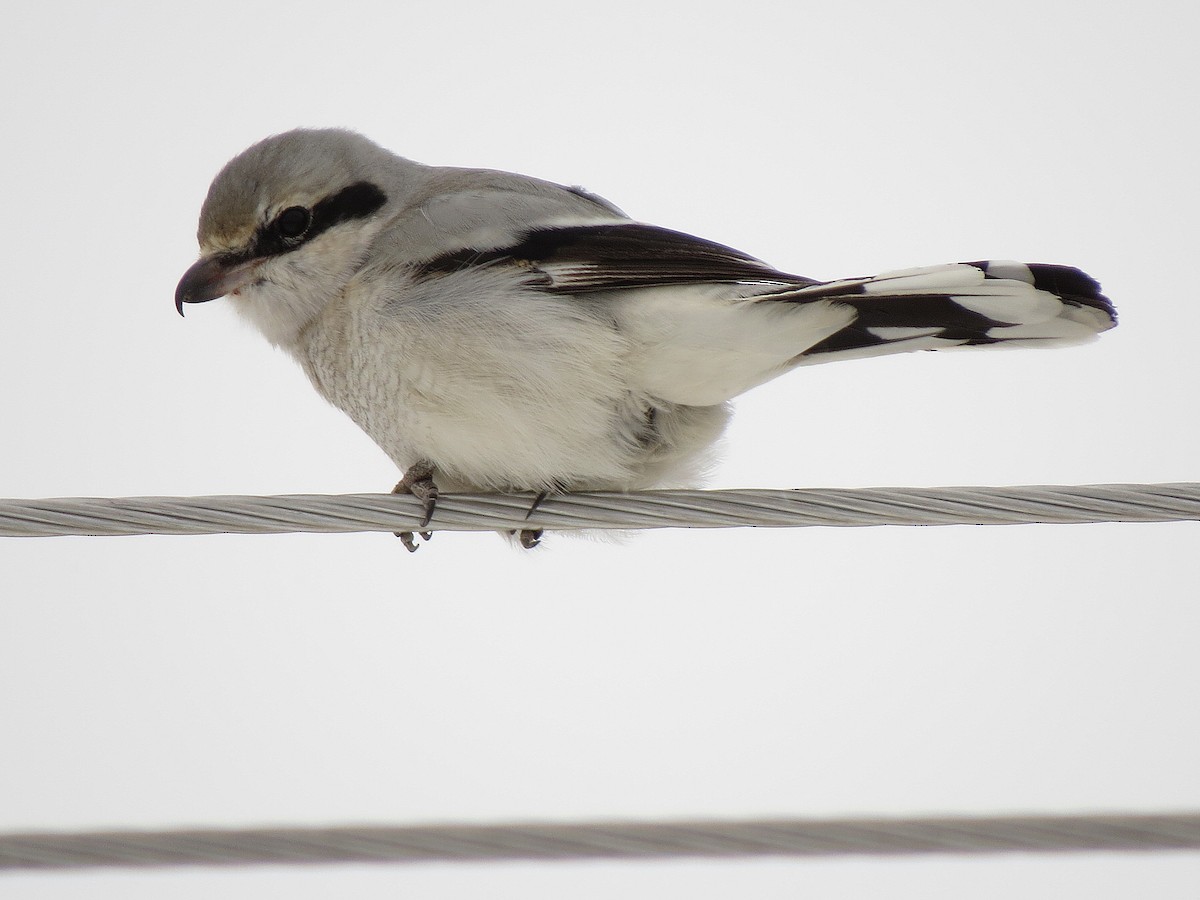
<point>212,277</point>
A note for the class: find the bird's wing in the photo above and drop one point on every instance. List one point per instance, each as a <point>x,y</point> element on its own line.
<point>683,304</point>
<point>581,258</point>
<point>708,322</point>
<point>572,240</point>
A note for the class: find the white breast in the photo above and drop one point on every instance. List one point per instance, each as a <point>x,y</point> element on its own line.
<point>499,385</point>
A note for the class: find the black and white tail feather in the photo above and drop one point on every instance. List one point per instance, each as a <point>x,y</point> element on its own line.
<point>962,304</point>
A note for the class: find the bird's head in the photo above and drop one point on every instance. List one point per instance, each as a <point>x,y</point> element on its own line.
<point>287,223</point>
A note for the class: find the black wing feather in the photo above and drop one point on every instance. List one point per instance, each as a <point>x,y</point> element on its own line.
<point>583,258</point>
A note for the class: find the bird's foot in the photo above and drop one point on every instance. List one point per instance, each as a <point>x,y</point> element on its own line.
<point>418,481</point>
<point>408,539</point>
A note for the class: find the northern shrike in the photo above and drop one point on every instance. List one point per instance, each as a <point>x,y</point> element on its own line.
<point>492,331</point>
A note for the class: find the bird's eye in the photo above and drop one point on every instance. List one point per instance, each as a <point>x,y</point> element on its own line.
<point>293,221</point>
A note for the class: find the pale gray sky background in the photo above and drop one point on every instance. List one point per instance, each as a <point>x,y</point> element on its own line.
<point>215,681</point>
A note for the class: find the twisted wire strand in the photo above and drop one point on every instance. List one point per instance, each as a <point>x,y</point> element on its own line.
<point>609,840</point>
<point>1060,504</point>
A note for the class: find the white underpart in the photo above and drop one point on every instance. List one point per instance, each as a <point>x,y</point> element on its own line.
<point>502,386</point>
<point>701,345</point>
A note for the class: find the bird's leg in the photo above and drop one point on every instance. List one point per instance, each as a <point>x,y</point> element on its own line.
<point>531,537</point>
<point>418,481</point>
<point>537,501</point>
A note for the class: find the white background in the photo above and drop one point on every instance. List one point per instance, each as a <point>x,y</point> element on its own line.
<point>163,681</point>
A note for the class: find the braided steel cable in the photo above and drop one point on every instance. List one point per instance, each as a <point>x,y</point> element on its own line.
<point>605,840</point>
<point>1073,504</point>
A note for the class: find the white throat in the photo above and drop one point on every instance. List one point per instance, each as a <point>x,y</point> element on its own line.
<point>298,285</point>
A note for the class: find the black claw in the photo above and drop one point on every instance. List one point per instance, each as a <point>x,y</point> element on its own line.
<point>406,538</point>
<point>530,538</point>
<point>428,503</point>
<point>537,501</point>
<point>418,481</point>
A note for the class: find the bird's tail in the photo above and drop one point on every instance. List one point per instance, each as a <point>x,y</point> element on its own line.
<point>960,304</point>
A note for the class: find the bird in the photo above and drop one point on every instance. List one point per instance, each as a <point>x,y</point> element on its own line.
<point>492,331</point>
